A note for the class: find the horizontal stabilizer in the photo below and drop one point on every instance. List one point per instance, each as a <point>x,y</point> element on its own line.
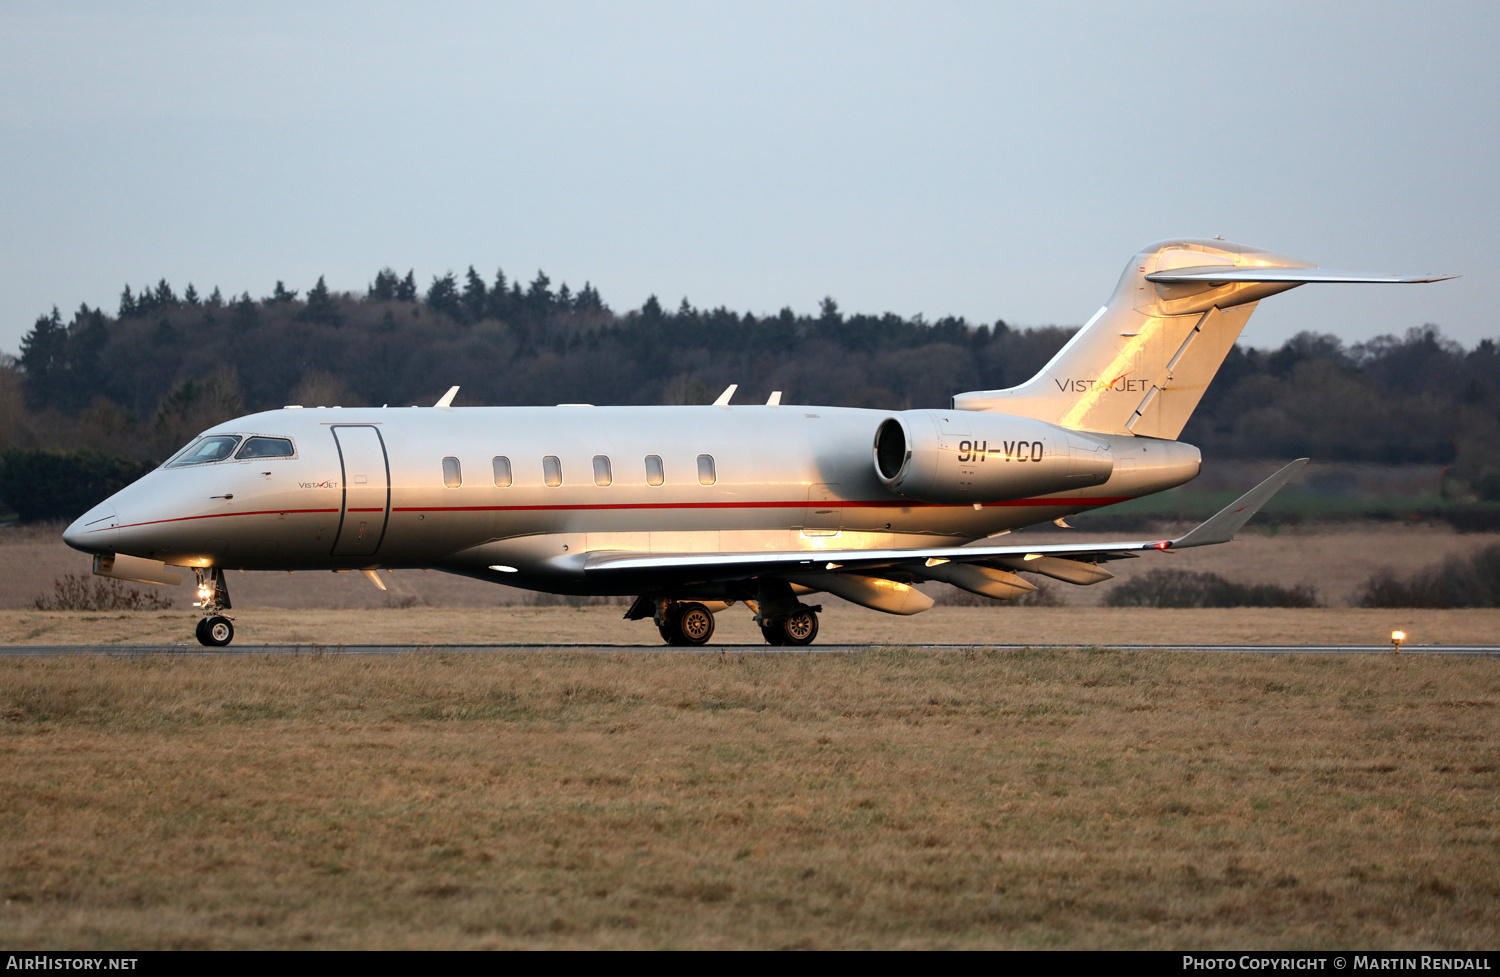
<point>1224,274</point>
<point>1221,527</point>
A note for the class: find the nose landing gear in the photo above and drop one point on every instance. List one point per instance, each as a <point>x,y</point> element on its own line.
<point>214,630</point>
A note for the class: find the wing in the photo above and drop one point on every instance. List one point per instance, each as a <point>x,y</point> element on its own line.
<point>1072,562</point>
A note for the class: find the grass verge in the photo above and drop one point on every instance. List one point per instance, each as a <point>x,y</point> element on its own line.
<point>878,799</point>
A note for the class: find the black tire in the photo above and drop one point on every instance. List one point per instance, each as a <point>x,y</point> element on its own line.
<point>216,632</point>
<point>773,635</point>
<point>202,638</point>
<point>668,626</point>
<point>695,624</point>
<point>800,627</point>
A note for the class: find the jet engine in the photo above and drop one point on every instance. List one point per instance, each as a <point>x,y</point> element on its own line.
<point>957,457</point>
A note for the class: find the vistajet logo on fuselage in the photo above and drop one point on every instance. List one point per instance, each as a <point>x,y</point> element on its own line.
<point>324,484</point>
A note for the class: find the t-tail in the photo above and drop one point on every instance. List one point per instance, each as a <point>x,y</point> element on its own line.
<point>1142,363</point>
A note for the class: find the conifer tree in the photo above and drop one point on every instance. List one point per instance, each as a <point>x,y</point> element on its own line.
<point>475,299</point>
<point>407,290</point>
<point>443,296</point>
<point>539,295</point>
<point>383,289</point>
<point>499,306</point>
<point>244,314</point>
<point>44,360</point>
<point>321,306</point>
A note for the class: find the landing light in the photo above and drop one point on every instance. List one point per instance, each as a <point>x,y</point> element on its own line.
<point>504,569</point>
<point>1396,638</point>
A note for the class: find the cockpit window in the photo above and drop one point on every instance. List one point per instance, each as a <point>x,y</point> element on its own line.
<point>266,448</point>
<point>205,451</point>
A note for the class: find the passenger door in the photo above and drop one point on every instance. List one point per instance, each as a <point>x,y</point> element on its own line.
<point>367,490</point>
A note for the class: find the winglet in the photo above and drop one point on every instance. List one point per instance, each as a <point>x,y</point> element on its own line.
<point>1221,527</point>
<point>723,400</point>
<point>446,400</point>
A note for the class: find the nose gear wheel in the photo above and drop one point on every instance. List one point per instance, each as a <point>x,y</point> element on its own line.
<point>216,631</point>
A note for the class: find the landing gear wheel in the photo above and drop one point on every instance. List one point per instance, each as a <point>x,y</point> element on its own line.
<point>668,628</point>
<point>216,632</point>
<point>695,624</point>
<point>797,628</point>
<point>686,624</point>
<point>800,628</point>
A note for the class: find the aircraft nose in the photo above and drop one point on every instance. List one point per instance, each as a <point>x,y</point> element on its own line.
<point>95,530</point>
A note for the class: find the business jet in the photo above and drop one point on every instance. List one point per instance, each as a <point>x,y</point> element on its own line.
<point>691,510</point>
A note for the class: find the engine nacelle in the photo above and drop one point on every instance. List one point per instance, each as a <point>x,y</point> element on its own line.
<point>957,457</point>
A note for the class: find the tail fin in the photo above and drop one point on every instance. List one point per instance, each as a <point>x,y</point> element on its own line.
<point>1142,363</point>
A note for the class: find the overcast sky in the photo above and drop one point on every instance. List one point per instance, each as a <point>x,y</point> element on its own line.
<point>985,160</point>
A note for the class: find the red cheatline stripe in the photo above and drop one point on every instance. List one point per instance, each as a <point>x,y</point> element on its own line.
<point>1011,503</point>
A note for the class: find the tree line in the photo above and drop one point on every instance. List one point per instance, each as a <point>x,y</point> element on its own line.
<point>138,382</point>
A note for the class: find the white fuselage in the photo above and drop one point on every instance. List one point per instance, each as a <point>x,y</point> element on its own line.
<point>369,488</point>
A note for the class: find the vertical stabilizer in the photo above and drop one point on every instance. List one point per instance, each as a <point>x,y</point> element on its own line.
<point>1142,363</point>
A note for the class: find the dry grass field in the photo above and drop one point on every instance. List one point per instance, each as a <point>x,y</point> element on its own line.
<point>883,798</point>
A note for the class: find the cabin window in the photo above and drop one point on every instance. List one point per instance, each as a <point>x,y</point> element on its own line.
<point>452,476</point>
<point>266,448</point>
<point>552,471</point>
<point>655,475</point>
<point>502,472</point>
<point>602,475</point>
<point>706,475</point>
<point>205,451</point>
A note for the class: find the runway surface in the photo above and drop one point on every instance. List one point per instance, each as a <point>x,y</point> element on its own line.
<point>44,651</point>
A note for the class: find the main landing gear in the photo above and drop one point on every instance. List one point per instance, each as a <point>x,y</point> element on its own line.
<point>214,630</point>
<point>692,622</point>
